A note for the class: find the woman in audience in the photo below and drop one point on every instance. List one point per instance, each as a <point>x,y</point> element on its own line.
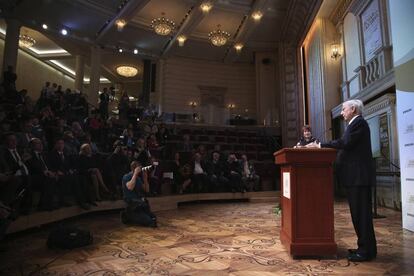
<point>249,177</point>
<point>88,167</point>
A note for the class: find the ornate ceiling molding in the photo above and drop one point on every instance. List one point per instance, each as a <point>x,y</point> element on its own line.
<point>340,11</point>
<point>300,16</point>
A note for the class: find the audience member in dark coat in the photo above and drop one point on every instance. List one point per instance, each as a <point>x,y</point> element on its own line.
<point>234,173</point>
<point>155,177</point>
<point>199,179</point>
<point>117,165</point>
<point>16,164</point>
<point>67,177</point>
<point>215,171</point>
<point>42,179</point>
<point>88,166</point>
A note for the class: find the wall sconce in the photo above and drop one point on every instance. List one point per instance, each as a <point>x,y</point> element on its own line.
<point>192,104</point>
<point>231,106</point>
<point>335,51</point>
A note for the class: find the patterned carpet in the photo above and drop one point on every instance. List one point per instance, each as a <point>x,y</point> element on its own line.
<point>204,239</point>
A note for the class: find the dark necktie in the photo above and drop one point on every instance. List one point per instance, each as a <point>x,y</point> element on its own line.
<point>62,157</point>
<point>39,156</point>
<point>16,156</point>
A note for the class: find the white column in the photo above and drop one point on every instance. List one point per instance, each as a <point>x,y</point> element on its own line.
<point>95,75</point>
<point>80,72</point>
<point>11,44</point>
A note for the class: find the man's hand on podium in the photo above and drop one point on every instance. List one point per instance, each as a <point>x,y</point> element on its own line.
<point>313,145</point>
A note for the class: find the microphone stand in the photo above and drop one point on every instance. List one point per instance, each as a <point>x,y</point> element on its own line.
<point>375,214</point>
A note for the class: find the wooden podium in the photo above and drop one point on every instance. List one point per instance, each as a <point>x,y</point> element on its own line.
<point>307,198</point>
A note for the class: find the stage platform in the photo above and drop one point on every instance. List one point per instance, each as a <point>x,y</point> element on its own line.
<point>161,203</point>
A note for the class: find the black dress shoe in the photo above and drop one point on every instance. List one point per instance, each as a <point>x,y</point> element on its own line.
<point>358,257</point>
<point>352,251</point>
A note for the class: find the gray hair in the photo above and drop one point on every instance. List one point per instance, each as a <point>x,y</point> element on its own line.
<point>357,104</point>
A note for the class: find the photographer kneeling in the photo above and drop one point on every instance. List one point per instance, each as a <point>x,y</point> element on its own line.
<point>138,210</point>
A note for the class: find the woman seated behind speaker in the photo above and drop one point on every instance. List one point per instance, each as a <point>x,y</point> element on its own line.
<point>138,210</point>
<point>306,137</point>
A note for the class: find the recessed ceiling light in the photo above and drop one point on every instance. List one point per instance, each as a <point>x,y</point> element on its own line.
<point>120,50</point>
<point>181,40</point>
<point>135,51</point>
<point>257,15</point>
<point>64,32</point>
<point>206,6</point>
<point>44,26</point>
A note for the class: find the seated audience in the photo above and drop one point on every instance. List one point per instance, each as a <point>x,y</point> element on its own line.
<point>117,167</point>
<point>234,174</point>
<point>88,166</point>
<point>250,179</point>
<point>67,178</point>
<point>42,179</point>
<point>215,171</point>
<point>199,179</point>
<point>155,177</point>
<point>181,173</point>
<point>16,164</point>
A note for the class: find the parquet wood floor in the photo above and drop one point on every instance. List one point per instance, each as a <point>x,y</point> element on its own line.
<point>204,239</point>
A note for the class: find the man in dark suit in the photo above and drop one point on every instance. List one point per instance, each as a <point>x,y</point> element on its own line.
<point>356,173</point>
<point>43,180</point>
<point>15,161</point>
<point>62,165</point>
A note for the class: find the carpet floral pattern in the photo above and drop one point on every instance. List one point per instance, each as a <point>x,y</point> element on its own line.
<point>204,239</point>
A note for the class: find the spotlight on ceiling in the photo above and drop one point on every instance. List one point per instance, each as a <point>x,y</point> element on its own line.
<point>206,6</point>
<point>238,47</point>
<point>64,32</point>
<point>135,51</point>
<point>181,40</point>
<point>257,15</point>
<point>120,50</point>
<point>44,26</point>
<point>120,24</point>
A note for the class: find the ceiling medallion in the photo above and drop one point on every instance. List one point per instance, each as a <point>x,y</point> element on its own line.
<point>26,41</point>
<point>162,25</point>
<point>218,37</point>
<point>127,71</point>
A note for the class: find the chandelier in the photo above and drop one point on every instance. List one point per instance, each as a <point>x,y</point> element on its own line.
<point>218,37</point>
<point>26,41</point>
<point>162,25</point>
<point>127,71</point>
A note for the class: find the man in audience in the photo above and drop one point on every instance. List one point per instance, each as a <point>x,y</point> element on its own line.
<point>117,167</point>
<point>62,165</point>
<point>43,180</point>
<point>155,177</point>
<point>234,173</point>
<point>215,171</point>
<point>103,104</point>
<point>199,179</point>
<point>16,162</point>
<point>250,179</point>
